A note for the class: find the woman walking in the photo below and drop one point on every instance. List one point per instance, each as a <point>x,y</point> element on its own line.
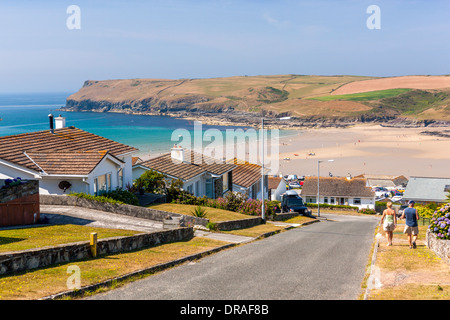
<point>389,221</point>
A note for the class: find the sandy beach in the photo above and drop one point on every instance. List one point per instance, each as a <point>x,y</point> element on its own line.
<point>366,149</point>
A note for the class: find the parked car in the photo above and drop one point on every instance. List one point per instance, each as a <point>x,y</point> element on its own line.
<point>294,185</point>
<point>292,202</point>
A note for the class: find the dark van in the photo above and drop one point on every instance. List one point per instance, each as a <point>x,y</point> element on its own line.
<point>292,202</point>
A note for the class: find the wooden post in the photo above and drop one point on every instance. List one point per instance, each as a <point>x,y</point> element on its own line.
<point>93,244</point>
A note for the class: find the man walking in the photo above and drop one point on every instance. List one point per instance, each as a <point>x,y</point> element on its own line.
<point>411,227</point>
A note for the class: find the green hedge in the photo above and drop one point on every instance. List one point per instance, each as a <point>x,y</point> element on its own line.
<point>332,206</point>
<point>116,196</point>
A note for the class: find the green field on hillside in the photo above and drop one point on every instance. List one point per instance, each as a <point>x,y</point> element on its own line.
<point>364,96</point>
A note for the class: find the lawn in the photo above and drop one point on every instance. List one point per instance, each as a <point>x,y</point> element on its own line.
<point>37,237</point>
<point>213,214</point>
<point>364,96</point>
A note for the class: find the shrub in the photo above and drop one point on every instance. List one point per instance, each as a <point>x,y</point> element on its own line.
<point>124,196</point>
<point>12,182</point>
<point>211,226</point>
<point>367,211</point>
<point>252,207</point>
<point>151,181</point>
<point>96,198</point>
<point>440,222</point>
<point>199,212</point>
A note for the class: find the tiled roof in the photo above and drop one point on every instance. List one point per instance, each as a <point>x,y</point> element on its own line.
<point>273,182</point>
<point>198,164</point>
<point>337,187</point>
<point>71,163</point>
<point>68,140</point>
<point>246,174</point>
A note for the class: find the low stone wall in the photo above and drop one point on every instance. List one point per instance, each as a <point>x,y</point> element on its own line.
<point>11,262</point>
<point>440,247</point>
<point>124,209</point>
<point>238,224</point>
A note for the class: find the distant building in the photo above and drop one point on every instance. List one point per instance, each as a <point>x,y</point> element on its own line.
<point>201,175</point>
<point>276,186</point>
<point>426,190</point>
<point>247,179</point>
<point>339,191</point>
<point>66,159</point>
<point>384,181</point>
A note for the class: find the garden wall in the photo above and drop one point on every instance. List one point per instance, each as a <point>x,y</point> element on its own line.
<point>11,262</point>
<point>19,204</point>
<point>440,247</point>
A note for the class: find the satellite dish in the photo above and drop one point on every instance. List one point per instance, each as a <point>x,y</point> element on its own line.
<point>64,185</point>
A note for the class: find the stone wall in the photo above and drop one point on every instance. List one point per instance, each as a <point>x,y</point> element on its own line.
<point>11,262</point>
<point>440,247</point>
<point>238,224</point>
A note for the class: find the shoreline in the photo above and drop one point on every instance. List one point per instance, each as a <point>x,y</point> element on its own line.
<point>358,148</point>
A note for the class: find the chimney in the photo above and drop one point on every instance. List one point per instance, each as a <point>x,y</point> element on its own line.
<point>60,122</point>
<point>50,116</point>
<point>177,153</point>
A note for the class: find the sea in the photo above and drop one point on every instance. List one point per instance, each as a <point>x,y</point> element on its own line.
<point>152,135</point>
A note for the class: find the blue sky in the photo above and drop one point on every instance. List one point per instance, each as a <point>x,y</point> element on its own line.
<point>201,39</point>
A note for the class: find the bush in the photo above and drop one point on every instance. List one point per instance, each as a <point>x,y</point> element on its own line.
<point>124,196</point>
<point>96,198</point>
<point>252,207</point>
<point>12,182</point>
<point>199,212</point>
<point>367,211</point>
<point>440,222</point>
<point>151,181</point>
<point>117,196</point>
<point>426,211</point>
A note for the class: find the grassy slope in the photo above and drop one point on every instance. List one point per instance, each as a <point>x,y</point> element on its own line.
<point>299,95</point>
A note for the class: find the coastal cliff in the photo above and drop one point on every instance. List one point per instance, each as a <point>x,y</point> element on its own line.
<point>308,100</point>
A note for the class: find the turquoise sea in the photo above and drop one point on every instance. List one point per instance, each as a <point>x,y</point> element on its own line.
<point>21,113</point>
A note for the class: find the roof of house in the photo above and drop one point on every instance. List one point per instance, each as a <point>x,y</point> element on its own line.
<point>31,150</point>
<point>246,174</point>
<point>274,182</point>
<point>68,163</point>
<point>194,165</point>
<point>383,180</point>
<point>337,187</point>
<point>427,189</point>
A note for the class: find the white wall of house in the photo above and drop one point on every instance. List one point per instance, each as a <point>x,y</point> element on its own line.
<point>136,173</point>
<point>128,169</point>
<point>109,169</point>
<point>276,193</point>
<point>49,185</point>
<point>361,203</point>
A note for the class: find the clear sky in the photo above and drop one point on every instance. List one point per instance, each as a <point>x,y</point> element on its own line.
<point>208,38</point>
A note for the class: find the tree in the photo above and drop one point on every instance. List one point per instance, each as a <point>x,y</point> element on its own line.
<point>151,181</point>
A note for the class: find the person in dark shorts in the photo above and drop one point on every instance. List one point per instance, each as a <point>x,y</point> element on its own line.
<point>411,226</point>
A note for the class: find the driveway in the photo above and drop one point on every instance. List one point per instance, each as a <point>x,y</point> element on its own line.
<point>96,218</point>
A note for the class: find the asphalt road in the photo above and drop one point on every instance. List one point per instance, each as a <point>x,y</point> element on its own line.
<point>325,260</point>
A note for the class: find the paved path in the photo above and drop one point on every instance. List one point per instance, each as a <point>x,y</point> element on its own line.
<point>325,260</point>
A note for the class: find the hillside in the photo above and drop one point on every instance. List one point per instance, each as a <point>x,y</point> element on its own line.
<point>329,100</point>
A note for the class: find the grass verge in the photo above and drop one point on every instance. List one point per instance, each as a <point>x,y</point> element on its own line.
<point>37,237</point>
<point>39,283</point>
<point>410,274</point>
<point>213,214</point>
<point>364,96</point>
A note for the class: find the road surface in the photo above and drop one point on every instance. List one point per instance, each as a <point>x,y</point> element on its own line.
<point>325,260</point>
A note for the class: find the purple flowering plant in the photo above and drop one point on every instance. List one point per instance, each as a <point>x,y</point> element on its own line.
<point>440,222</point>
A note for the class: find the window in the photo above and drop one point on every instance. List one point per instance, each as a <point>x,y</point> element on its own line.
<point>102,184</point>
<point>197,188</point>
<point>120,178</point>
<point>357,201</point>
<point>189,189</point>
<point>331,200</point>
<point>325,200</point>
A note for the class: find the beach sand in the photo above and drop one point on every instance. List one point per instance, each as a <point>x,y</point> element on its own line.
<point>366,149</point>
